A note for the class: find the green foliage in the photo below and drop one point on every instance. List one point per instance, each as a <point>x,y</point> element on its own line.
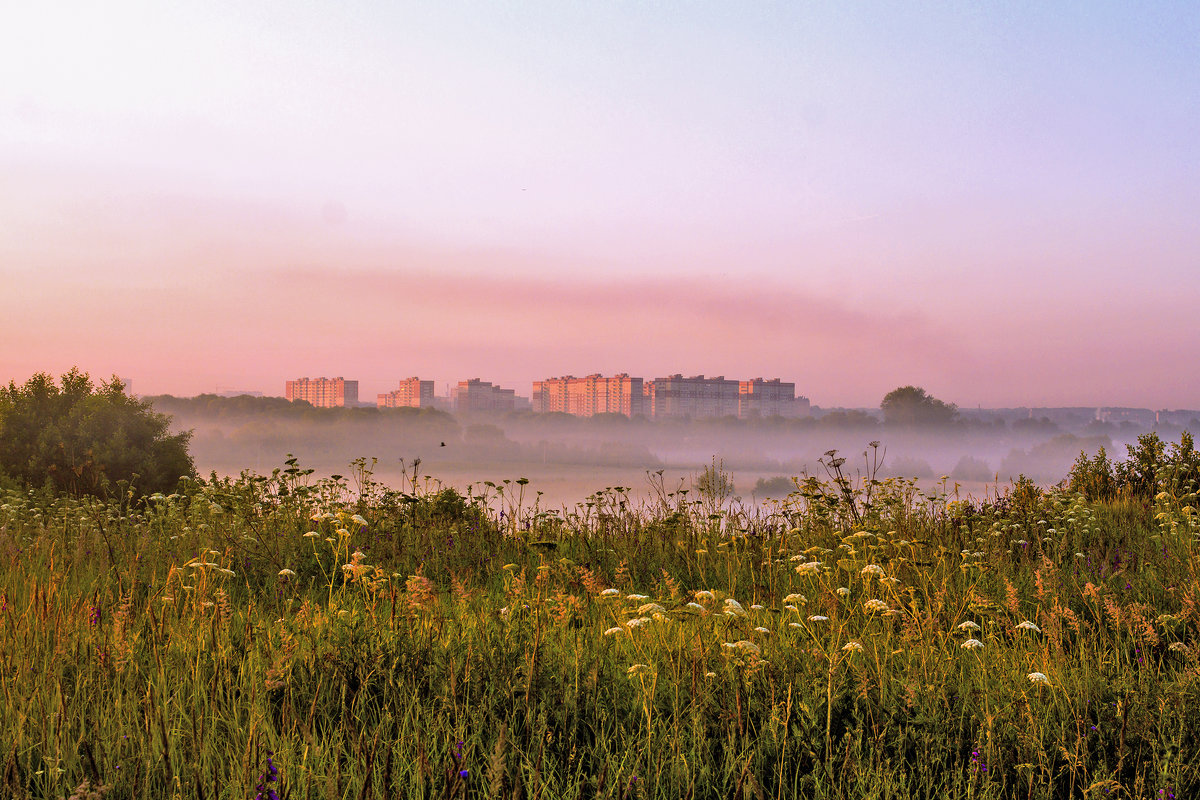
<point>80,438</point>
<point>423,642</point>
<point>1093,477</point>
<point>911,406</point>
<point>1152,467</point>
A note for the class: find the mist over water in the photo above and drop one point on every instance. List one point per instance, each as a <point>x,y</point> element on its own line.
<point>567,459</point>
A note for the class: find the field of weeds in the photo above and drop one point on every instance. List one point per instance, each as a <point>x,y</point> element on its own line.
<point>281,636</point>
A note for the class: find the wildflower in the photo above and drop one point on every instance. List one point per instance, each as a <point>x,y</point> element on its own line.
<point>638,669</point>
<point>808,568</point>
<point>1177,647</point>
<point>638,597</point>
<point>286,573</point>
<point>1037,677</point>
<point>651,608</point>
<point>613,631</point>
<point>971,644</point>
<point>606,592</point>
<point>699,609</point>
<point>795,598</point>
<point>843,591</point>
<point>853,647</point>
<point>756,607</point>
<point>748,646</point>
<point>876,605</point>
<point>704,594</point>
<point>270,775</point>
<point>873,569</point>
<point>795,625</point>
<point>342,532</point>
<point>818,618</point>
<point>710,674</point>
<point>1028,626</point>
<point>637,622</point>
<point>791,608</point>
<point>889,581</point>
<point>358,519</point>
<point>968,626</point>
<point>733,608</point>
<point>761,629</point>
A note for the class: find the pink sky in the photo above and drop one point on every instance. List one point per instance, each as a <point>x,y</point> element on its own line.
<point>999,205</point>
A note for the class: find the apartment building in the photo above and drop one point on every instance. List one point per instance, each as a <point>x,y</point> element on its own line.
<point>676,396</point>
<point>770,398</point>
<point>475,395</point>
<point>590,395</point>
<point>323,392</point>
<point>412,393</point>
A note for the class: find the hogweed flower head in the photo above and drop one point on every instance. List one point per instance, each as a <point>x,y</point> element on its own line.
<point>1037,677</point>
<point>853,647</point>
<point>1028,626</point>
<point>818,618</point>
<point>971,644</point>
<point>968,626</point>
<point>873,569</point>
<point>876,605</point>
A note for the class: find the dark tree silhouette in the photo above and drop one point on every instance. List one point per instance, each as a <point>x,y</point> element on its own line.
<point>911,406</point>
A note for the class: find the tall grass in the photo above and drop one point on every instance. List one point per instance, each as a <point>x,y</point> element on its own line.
<point>422,643</point>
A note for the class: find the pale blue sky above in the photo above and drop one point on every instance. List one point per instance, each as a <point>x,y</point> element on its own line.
<point>1017,183</point>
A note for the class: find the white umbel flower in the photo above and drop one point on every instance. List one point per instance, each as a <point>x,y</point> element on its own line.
<point>1037,677</point>
<point>1028,626</point>
<point>968,626</point>
<point>971,644</point>
<point>853,647</point>
<point>876,605</point>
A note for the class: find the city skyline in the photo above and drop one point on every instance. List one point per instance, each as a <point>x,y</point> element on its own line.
<point>995,203</point>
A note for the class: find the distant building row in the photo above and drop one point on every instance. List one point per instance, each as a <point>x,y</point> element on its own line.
<point>672,397</point>
<point>662,398</point>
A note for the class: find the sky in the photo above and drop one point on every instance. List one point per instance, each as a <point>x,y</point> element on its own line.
<point>998,202</point>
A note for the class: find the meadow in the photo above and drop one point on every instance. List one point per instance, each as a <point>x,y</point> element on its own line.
<point>285,636</point>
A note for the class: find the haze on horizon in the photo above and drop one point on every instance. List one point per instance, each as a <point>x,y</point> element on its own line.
<point>999,204</point>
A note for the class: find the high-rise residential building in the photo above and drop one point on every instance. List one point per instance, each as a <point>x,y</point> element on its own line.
<point>323,392</point>
<point>593,394</point>
<point>413,393</point>
<point>697,396</point>
<point>476,395</point>
<point>773,398</point>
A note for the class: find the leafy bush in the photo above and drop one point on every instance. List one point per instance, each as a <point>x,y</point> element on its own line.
<point>80,438</point>
<point>778,486</point>
<point>972,469</point>
<point>1152,467</point>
